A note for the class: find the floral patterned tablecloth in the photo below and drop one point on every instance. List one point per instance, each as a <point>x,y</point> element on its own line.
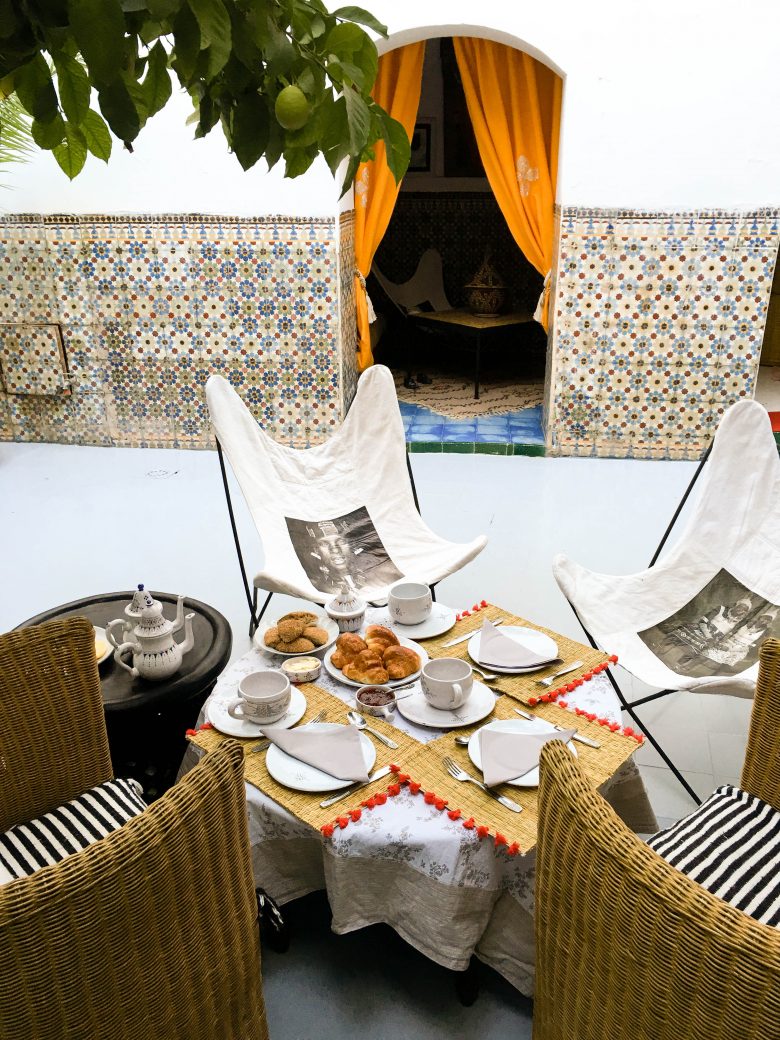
<point>446,892</point>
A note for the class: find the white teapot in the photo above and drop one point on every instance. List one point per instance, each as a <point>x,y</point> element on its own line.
<point>156,654</point>
<point>133,616</point>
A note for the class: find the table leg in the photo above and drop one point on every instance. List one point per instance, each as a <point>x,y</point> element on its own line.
<point>478,339</point>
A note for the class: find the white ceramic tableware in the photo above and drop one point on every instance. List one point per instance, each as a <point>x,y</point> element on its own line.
<point>263,697</point>
<point>440,620</point>
<point>321,622</point>
<point>106,650</point>
<point>409,603</point>
<point>415,708</point>
<point>447,682</point>
<point>337,674</point>
<point>217,715</point>
<point>379,711</point>
<point>531,778</point>
<point>302,669</point>
<point>536,641</point>
<point>299,776</point>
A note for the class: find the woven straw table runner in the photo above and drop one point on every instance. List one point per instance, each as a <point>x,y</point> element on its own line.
<point>301,804</point>
<point>522,687</point>
<point>516,831</point>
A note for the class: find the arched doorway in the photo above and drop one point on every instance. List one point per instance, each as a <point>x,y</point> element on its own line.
<point>449,205</point>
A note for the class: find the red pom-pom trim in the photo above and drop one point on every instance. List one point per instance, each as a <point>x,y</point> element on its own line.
<point>393,790</point>
<point>532,701</point>
<point>355,814</point>
<point>402,778</point>
<point>614,658</point>
<point>430,797</point>
<point>414,787</point>
<point>545,698</point>
<point>483,603</point>
<point>482,831</point>
<point>563,704</point>
<point>190,732</point>
<point>343,822</point>
<point>469,824</point>
<point>500,840</point>
<point>327,830</point>
<point>394,768</point>
<point>207,725</point>
<point>513,849</point>
<point>454,814</point>
<point>369,803</point>
<point>380,798</point>
<point>440,803</point>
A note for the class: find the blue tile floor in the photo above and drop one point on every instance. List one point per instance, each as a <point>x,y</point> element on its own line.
<point>508,433</point>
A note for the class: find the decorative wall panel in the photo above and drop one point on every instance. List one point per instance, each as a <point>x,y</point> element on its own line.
<point>347,311</point>
<point>148,307</point>
<point>659,319</point>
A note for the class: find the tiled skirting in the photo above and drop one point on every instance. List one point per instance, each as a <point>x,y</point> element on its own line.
<point>148,307</point>
<point>659,319</point>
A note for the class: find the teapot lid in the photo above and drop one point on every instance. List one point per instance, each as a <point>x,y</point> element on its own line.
<point>138,602</point>
<point>346,602</point>
<point>153,622</point>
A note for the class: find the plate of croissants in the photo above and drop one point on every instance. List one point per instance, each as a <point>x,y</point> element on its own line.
<point>299,632</point>
<point>376,657</point>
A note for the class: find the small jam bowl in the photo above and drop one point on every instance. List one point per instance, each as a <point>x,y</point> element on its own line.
<point>385,695</point>
<point>302,669</point>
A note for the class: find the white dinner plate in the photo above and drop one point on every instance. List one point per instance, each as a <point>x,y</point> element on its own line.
<point>218,716</point>
<point>100,633</point>
<point>530,638</point>
<point>441,620</point>
<point>531,778</point>
<point>337,673</point>
<point>322,622</point>
<point>297,775</point>
<point>479,705</point>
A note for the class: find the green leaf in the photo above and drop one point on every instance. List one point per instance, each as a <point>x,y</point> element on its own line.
<point>96,135</point>
<point>48,135</point>
<point>8,20</point>
<point>358,120</point>
<point>349,177</point>
<point>396,143</point>
<point>152,30</point>
<point>250,129</point>
<point>73,84</point>
<point>357,14</point>
<point>280,55</point>
<point>35,89</point>
<point>334,132</point>
<point>186,35</point>
<point>157,83</point>
<point>298,160</point>
<point>133,5</point>
<point>161,9</point>
<point>71,154</point>
<point>99,28</point>
<point>214,23</point>
<point>120,113</point>
<point>343,40</point>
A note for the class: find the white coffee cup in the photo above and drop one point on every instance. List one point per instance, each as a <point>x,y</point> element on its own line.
<point>410,602</point>
<point>446,682</point>
<point>263,697</point>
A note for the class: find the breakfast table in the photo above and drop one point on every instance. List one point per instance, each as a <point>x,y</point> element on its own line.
<point>432,875</point>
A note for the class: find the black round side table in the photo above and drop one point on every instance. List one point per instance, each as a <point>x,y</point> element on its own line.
<point>146,720</point>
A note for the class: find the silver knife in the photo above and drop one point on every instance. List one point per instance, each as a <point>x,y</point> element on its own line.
<point>575,735</point>
<point>468,635</point>
<point>376,775</point>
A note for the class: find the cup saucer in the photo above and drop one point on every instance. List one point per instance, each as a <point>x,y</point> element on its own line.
<point>219,717</point>
<point>479,705</point>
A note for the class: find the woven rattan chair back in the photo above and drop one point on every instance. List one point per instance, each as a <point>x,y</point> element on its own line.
<point>149,934</point>
<point>53,743</point>
<point>628,947</point>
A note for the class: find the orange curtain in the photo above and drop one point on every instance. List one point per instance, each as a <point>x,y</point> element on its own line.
<point>397,90</point>
<point>514,103</point>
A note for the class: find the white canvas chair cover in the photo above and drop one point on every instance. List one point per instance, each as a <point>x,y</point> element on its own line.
<point>734,526</point>
<point>425,286</point>
<point>361,466</point>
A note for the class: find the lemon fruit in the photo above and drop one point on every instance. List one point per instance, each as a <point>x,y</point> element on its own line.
<point>291,108</point>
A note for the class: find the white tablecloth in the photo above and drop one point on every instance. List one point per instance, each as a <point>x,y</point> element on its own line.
<point>444,890</point>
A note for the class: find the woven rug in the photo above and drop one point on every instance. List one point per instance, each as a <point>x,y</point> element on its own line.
<point>301,804</point>
<point>453,395</point>
<point>465,801</point>
<point>523,687</point>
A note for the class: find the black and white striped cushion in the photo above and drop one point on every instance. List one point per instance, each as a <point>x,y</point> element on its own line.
<point>731,846</point>
<point>68,828</point>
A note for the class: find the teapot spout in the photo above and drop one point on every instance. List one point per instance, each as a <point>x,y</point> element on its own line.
<point>177,624</point>
<point>189,642</point>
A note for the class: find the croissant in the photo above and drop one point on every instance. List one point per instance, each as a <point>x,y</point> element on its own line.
<point>348,646</point>
<point>400,661</point>
<point>366,668</point>
<point>379,638</point>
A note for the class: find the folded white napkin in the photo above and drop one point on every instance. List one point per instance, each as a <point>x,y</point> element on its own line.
<point>497,650</point>
<point>506,756</point>
<point>336,751</point>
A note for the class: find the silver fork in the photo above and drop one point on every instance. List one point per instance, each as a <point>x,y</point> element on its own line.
<point>564,671</point>
<point>319,717</point>
<point>460,774</point>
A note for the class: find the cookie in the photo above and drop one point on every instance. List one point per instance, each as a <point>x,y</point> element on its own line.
<point>317,635</point>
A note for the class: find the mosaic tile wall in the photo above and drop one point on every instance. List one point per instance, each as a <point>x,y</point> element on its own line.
<point>459,225</point>
<point>347,312</point>
<point>110,327</point>
<point>658,329</point>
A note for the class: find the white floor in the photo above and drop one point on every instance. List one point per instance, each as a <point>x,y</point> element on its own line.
<point>768,388</point>
<point>75,521</point>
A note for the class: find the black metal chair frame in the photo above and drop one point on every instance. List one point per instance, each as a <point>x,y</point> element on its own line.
<point>630,706</point>
<point>251,596</point>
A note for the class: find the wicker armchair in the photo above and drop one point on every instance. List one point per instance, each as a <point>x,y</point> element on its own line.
<point>150,932</point>
<point>627,946</point>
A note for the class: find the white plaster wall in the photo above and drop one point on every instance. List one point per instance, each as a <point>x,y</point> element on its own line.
<point>667,105</point>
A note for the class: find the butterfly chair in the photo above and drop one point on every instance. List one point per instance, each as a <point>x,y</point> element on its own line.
<point>150,932</point>
<point>628,946</point>
<point>343,512</point>
<point>695,620</point>
<point>422,293</point>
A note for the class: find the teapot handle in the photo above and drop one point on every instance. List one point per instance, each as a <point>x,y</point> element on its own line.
<point>110,635</point>
<point>118,657</point>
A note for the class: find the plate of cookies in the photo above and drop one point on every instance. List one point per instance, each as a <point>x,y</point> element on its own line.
<point>376,656</point>
<point>299,632</point>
